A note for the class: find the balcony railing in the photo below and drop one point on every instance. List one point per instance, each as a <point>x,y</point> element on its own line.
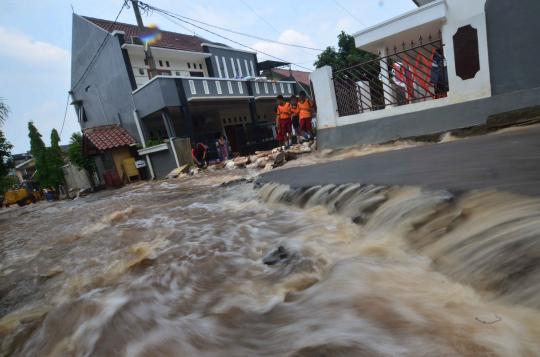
<point>261,89</point>
<point>211,88</point>
<point>162,91</point>
<point>402,77</point>
<point>215,88</point>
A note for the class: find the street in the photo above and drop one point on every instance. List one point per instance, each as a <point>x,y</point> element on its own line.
<point>506,161</point>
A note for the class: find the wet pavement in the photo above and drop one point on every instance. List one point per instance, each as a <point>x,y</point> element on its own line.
<point>506,161</point>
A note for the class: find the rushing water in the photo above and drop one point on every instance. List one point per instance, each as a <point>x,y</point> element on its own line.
<point>175,269</point>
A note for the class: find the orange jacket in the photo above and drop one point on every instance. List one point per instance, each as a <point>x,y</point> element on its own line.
<point>284,111</point>
<point>306,109</point>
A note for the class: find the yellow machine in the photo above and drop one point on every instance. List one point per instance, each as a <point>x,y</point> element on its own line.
<point>29,192</point>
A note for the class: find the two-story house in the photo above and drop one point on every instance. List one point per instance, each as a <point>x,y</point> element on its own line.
<point>444,65</point>
<point>201,89</point>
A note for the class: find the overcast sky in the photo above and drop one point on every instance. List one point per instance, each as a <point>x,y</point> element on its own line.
<point>35,43</point>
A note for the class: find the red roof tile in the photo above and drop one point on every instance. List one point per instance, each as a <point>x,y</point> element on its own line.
<point>300,76</point>
<point>108,137</point>
<point>173,40</point>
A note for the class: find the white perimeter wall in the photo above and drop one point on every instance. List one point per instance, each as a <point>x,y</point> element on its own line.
<point>459,13</point>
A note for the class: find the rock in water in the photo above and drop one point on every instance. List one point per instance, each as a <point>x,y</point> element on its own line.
<point>230,165</point>
<point>241,161</point>
<point>278,158</point>
<point>279,255</point>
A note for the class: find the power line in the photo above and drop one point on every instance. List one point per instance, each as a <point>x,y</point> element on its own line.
<point>260,17</point>
<point>348,12</point>
<point>105,39</point>
<point>65,115</point>
<point>150,7</point>
<point>243,33</point>
<point>178,24</point>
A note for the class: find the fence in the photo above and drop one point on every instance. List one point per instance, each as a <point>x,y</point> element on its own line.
<point>402,77</point>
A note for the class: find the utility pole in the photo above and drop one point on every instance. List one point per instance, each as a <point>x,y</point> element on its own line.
<point>147,51</point>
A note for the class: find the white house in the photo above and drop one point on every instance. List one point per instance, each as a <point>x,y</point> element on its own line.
<point>446,64</point>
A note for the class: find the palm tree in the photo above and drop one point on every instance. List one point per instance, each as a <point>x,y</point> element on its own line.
<point>4,111</point>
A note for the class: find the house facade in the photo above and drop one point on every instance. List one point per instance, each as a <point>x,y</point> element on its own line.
<point>201,89</point>
<point>445,65</point>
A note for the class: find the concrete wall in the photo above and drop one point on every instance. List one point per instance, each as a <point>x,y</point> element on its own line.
<point>105,91</point>
<point>513,37</point>
<point>161,92</point>
<point>76,179</point>
<point>462,13</point>
<point>235,62</point>
<point>162,162</point>
<point>430,121</point>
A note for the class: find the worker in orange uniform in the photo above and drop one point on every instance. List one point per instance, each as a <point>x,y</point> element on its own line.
<point>305,107</point>
<point>283,122</point>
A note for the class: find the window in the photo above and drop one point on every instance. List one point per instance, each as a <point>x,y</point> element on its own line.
<point>205,86</point>
<point>200,65</point>
<point>247,68</point>
<point>257,89</point>
<point>239,68</point>
<point>281,87</point>
<point>218,65</point>
<point>218,87</point>
<point>266,87</point>
<point>192,87</point>
<point>289,89</point>
<point>233,68</point>
<point>82,115</point>
<point>160,63</point>
<point>229,86</point>
<point>252,68</point>
<point>196,74</point>
<point>141,71</point>
<point>177,73</point>
<point>274,88</point>
<point>167,63</point>
<point>194,65</point>
<point>188,65</point>
<point>225,67</point>
<point>240,88</point>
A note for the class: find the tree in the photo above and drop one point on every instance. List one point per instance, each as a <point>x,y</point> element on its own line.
<point>4,111</point>
<point>76,155</point>
<point>5,154</point>
<point>5,146</point>
<point>345,56</point>
<point>39,152</point>
<point>55,161</point>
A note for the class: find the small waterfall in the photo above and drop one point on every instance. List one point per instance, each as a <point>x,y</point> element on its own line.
<point>487,240</point>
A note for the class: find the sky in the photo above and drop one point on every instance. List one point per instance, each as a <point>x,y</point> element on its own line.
<point>35,43</point>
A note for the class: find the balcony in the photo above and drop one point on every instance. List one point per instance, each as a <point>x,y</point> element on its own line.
<point>175,91</point>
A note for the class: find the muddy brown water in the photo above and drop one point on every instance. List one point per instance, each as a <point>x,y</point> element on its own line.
<point>174,268</point>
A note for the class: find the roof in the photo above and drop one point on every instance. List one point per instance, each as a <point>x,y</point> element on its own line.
<point>299,76</point>
<point>269,64</point>
<point>422,2</point>
<point>172,40</point>
<point>28,163</point>
<point>107,137</point>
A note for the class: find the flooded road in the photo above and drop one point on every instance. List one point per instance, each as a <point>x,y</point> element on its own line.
<point>174,268</point>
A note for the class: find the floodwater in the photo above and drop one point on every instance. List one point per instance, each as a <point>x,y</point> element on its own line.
<point>174,268</point>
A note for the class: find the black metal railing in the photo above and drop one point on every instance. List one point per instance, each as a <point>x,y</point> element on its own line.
<point>401,77</point>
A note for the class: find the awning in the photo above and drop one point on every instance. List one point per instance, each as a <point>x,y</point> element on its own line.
<point>107,137</point>
<point>268,65</point>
